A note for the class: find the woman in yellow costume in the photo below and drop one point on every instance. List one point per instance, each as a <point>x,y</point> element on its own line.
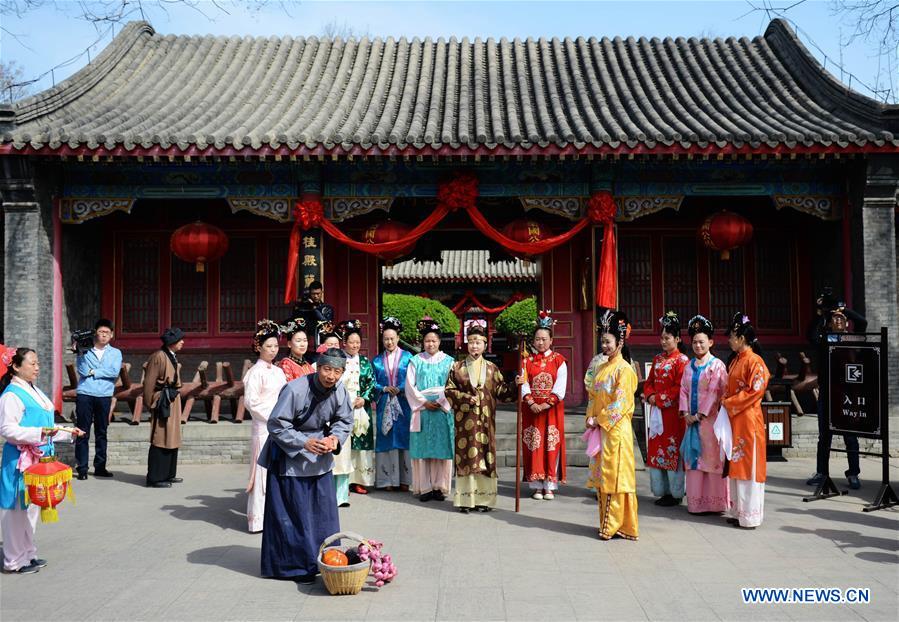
<point>611,410</point>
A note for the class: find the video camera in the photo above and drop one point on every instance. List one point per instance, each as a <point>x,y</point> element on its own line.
<point>82,341</point>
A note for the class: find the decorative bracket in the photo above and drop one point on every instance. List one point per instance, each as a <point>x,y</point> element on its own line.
<point>338,209</point>
<point>822,206</point>
<point>276,208</point>
<point>74,211</point>
<point>633,207</point>
<point>571,208</point>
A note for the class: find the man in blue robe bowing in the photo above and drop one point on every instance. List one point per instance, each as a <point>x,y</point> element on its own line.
<point>311,420</point>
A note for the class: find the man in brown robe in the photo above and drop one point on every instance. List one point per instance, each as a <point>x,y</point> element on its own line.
<point>162,380</point>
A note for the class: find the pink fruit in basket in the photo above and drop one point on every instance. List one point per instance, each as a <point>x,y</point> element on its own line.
<point>379,583</point>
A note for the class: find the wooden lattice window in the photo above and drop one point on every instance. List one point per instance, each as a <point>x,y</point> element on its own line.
<point>190,306</point>
<point>727,290</point>
<point>140,286</point>
<point>774,275</point>
<point>635,279</point>
<point>237,287</point>
<point>277,263</point>
<point>679,280</point>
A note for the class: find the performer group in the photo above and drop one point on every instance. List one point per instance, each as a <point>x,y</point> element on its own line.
<point>327,422</point>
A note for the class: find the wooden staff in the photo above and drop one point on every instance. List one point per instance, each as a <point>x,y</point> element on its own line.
<point>522,352</point>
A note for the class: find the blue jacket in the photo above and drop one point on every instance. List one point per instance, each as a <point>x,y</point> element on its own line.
<point>106,371</point>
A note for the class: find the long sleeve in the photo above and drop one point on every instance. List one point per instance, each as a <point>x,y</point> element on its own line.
<point>415,397</point>
<point>11,412</point>
<point>755,377</point>
<point>110,365</point>
<point>366,382</point>
<point>561,382</point>
<point>155,371</point>
<point>714,390</point>
<point>342,420</point>
<point>504,391</point>
<point>685,380</point>
<point>404,360</point>
<point>281,423</point>
<point>454,387</point>
<point>252,394</point>
<point>623,403</point>
<point>379,374</point>
<point>649,387</point>
<point>83,365</point>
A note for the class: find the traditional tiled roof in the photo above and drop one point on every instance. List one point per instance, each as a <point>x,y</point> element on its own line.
<point>460,266</point>
<point>215,94</point>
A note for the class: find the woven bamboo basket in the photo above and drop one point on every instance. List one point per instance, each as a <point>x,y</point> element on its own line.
<point>343,579</point>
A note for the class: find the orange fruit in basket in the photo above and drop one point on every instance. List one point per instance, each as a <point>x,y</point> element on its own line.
<point>334,557</point>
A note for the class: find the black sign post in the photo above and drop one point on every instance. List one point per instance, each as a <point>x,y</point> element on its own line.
<point>856,401</point>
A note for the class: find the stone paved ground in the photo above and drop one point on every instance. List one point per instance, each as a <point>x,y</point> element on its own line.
<point>129,553</point>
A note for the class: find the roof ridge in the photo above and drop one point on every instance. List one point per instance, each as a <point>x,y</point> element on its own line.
<point>815,79</point>
<point>85,78</point>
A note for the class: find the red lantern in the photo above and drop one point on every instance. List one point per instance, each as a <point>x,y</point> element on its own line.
<point>47,485</point>
<point>526,232</point>
<point>725,231</point>
<point>388,231</point>
<point>199,243</point>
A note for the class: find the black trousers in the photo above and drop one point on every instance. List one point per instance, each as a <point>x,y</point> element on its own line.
<point>161,464</point>
<point>825,438</point>
<point>91,410</point>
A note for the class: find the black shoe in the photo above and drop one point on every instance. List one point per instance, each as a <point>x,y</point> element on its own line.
<point>175,480</point>
<point>160,485</point>
<point>668,501</point>
<point>40,563</point>
<point>425,497</point>
<point>733,521</point>
<point>345,504</point>
<point>815,479</point>
<point>436,495</point>
<point>305,579</point>
<point>483,508</point>
<point>854,484</point>
<point>81,476</point>
<point>465,510</point>
<point>29,569</point>
<point>101,473</point>
<point>663,500</point>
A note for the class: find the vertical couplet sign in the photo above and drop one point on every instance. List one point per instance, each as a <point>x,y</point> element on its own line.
<point>854,386</point>
<point>311,257</point>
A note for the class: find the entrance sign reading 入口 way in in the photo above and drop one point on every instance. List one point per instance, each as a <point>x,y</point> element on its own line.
<point>854,391</point>
<point>856,401</point>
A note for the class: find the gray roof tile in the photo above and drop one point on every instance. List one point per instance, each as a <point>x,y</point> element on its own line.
<point>151,90</point>
<point>460,266</point>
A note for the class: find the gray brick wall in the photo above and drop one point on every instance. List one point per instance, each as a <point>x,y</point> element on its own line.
<point>881,306</point>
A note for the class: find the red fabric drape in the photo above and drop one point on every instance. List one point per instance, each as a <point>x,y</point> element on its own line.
<point>607,282</point>
<point>471,298</point>
<point>461,193</point>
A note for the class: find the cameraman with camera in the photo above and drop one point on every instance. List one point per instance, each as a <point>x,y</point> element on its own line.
<point>98,365</point>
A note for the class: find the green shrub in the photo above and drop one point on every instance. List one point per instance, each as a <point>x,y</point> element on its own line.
<point>410,309</point>
<point>518,319</point>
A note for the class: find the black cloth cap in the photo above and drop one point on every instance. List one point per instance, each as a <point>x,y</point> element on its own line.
<point>171,335</point>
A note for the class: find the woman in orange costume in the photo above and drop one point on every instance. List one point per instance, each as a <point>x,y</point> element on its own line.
<point>747,380</point>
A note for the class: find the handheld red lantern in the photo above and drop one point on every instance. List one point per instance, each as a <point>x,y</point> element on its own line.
<point>199,243</point>
<point>388,231</point>
<point>47,485</point>
<point>724,232</point>
<point>526,232</point>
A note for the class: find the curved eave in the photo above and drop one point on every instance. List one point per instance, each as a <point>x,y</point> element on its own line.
<point>322,151</point>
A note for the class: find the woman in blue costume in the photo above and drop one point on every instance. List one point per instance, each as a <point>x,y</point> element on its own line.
<point>26,424</point>
<point>432,428</point>
<point>392,465</point>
